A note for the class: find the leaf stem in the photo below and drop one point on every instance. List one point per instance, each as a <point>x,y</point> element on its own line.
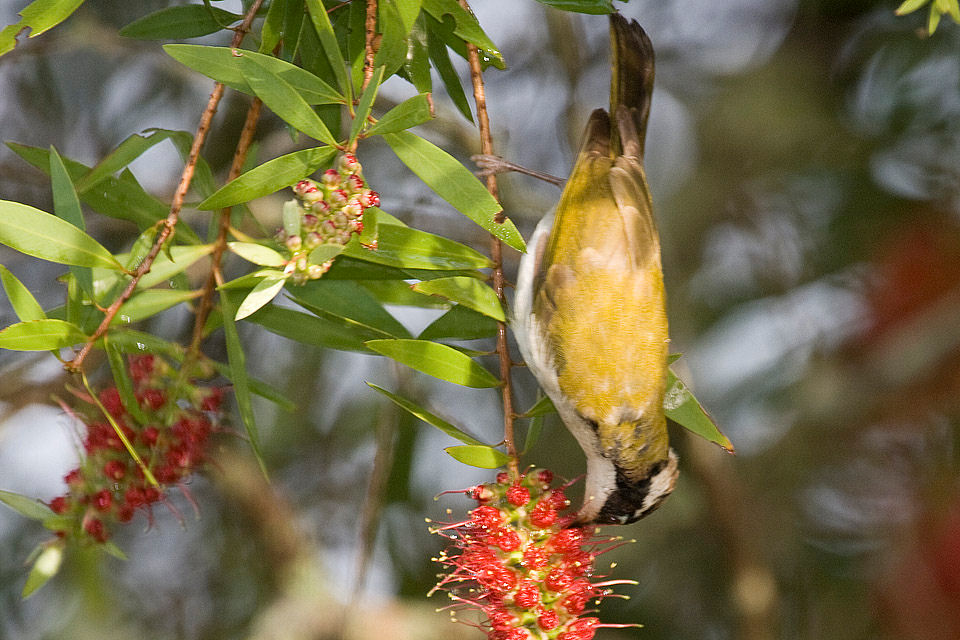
<point>496,255</point>
<point>175,206</point>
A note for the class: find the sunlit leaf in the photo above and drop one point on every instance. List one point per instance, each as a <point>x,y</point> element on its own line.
<point>426,416</point>
<point>27,507</point>
<point>454,183</point>
<point>348,300</point>
<point>366,103</point>
<point>220,64</point>
<point>44,567</point>
<point>542,407</point>
<point>306,328</point>
<point>440,56</point>
<point>24,304</point>
<point>328,39</point>
<point>468,292</point>
<point>174,23</point>
<point>409,113</point>
<point>66,206</point>
<point>595,7</point>
<point>437,360</point>
<point>41,335</point>
<point>683,408</point>
<point>265,291</point>
<point>480,456</point>
<point>465,27</point>
<point>44,235</point>
<point>269,177</point>
<point>37,17</point>
<point>257,254</point>
<point>408,248</point>
<point>149,303</point>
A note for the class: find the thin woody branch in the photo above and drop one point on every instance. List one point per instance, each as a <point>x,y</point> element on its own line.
<point>370,42</point>
<point>496,255</point>
<point>167,229</point>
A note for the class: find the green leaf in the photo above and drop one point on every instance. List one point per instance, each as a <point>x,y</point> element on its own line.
<point>460,323</point>
<point>534,429</point>
<point>265,291</point>
<point>399,293</point>
<point>27,507</point>
<point>41,335</point>
<point>38,16</point>
<point>909,6</point>
<point>257,254</point>
<point>44,567</point>
<point>542,407</point>
<point>365,104</point>
<point>392,52</point>
<point>220,64</point>
<point>347,299</point>
<point>321,24</point>
<point>309,329</point>
<point>683,408</point>
<point>468,292</point>
<point>174,23</point>
<point>409,113</point>
<point>408,248</point>
<point>408,11</point>
<point>149,303</point>
<point>427,417</point>
<point>417,65</point>
<point>238,374</point>
<point>164,269</point>
<point>125,153</point>
<point>24,304</point>
<point>454,183</point>
<point>121,378</point>
<point>480,456</point>
<point>465,27</point>
<point>269,177</point>
<point>43,235</point>
<point>284,100</point>
<point>438,54</point>
<point>325,253</point>
<point>595,7</point>
<point>110,548</point>
<point>437,360</point>
<point>66,206</point>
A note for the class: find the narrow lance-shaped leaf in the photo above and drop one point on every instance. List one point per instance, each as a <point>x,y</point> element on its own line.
<point>437,360</point>
<point>431,419</point>
<point>595,7</point>
<point>460,323</point>
<point>265,291</point>
<point>480,456</point>
<point>469,292</point>
<point>407,114</point>
<point>149,303</point>
<point>43,235</point>
<point>257,254</point>
<point>174,23</point>
<point>121,378</point>
<point>238,373</point>
<point>220,64</point>
<point>321,23</point>
<point>284,100</point>
<point>66,206</point>
<point>37,17</point>
<point>465,27</point>
<point>46,566</point>
<point>126,152</point>
<point>454,183</point>
<point>440,56</point>
<point>365,104</point>
<point>269,177</point>
<point>47,334</point>
<point>27,507</point>
<point>24,304</point>
<point>683,408</point>
<point>408,248</point>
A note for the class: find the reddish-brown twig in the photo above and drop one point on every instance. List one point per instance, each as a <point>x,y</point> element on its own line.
<point>176,204</point>
<point>496,254</point>
<point>370,45</point>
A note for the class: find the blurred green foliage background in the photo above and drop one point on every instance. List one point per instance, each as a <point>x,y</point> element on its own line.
<point>804,157</point>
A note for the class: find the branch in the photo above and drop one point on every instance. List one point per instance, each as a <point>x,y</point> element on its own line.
<point>370,44</point>
<point>496,254</point>
<point>176,205</point>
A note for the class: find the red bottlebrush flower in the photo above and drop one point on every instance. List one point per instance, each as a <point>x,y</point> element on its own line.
<point>115,469</point>
<point>124,513</point>
<point>74,478</point>
<point>149,436</point>
<point>518,496</point>
<point>141,368</point>
<point>135,497</point>
<point>152,398</point>
<point>212,399</point>
<point>110,398</point>
<point>518,566</point>
<point>94,527</point>
<point>331,177</point>
<point>102,500</point>
<point>60,504</point>
<point>151,495</point>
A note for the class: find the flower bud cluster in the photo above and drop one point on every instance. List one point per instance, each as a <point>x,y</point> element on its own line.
<point>521,562</point>
<point>330,212</point>
<point>172,439</point>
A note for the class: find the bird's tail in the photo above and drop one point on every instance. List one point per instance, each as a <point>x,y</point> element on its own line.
<point>631,85</point>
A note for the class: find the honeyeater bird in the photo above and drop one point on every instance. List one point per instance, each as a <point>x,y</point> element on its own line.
<point>589,312</point>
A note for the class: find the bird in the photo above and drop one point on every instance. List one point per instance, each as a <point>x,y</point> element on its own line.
<point>589,312</point>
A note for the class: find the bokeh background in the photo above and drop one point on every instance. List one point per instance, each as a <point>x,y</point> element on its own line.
<point>804,157</point>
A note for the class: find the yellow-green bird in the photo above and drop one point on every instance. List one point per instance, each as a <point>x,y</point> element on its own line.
<point>589,313</point>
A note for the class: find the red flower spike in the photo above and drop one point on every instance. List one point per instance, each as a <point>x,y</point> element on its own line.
<point>115,470</point>
<point>518,496</point>
<point>60,504</point>
<point>94,527</point>
<point>545,477</point>
<point>124,513</point>
<point>102,500</point>
<point>149,436</point>
<point>110,399</point>
<point>151,398</point>
<point>503,477</point>
<point>514,562</point>
<point>141,367</point>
